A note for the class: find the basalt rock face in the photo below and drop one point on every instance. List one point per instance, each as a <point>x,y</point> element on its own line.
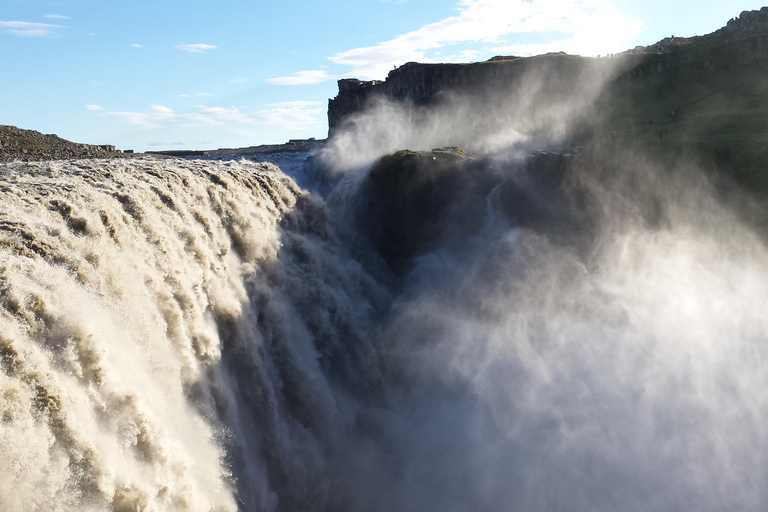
<point>426,84</point>
<point>743,41</point>
<point>409,202</point>
<point>422,84</point>
<point>414,202</point>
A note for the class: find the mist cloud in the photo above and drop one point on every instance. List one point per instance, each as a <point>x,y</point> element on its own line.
<point>536,109</point>
<point>613,361</point>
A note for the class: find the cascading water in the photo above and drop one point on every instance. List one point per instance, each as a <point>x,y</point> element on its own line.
<point>161,329</point>
<point>558,333</point>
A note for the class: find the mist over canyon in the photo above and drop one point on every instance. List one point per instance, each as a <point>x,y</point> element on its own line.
<point>546,296</point>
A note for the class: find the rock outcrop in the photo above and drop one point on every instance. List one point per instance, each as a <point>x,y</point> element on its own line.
<point>29,145</point>
<point>418,83</point>
<point>409,200</point>
<point>412,202</point>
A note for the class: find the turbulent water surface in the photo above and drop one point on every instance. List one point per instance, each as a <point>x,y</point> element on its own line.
<point>209,336</point>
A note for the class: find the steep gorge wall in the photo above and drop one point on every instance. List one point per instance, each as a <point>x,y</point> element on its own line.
<point>420,84</point>
<point>426,84</point>
<point>743,41</point>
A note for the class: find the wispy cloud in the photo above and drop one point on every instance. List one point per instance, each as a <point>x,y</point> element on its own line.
<point>594,27</point>
<point>195,48</point>
<point>589,22</point>
<point>218,116</point>
<point>303,78</point>
<point>94,107</point>
<point>136,46</point>
<point>588,27</point>
<point>239,80</point>
<point>290,115</point>
<point>56,17</point>
<point>294,115</point>
<point>163,144</point>
<point>146,120</point>
<point>292,104</point>
<point>26,29</point>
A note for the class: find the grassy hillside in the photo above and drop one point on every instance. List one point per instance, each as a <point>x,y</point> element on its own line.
<point>684,103</point>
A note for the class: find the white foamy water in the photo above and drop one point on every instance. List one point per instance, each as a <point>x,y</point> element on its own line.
<point>194,336</point>
<point>117,277</point>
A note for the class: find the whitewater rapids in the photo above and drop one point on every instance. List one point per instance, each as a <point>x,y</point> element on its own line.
<point>208,336</point>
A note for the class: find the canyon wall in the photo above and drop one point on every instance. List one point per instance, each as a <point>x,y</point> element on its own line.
<point>743,41</point>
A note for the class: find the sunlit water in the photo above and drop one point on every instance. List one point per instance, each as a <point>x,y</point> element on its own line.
<point>195,336</point>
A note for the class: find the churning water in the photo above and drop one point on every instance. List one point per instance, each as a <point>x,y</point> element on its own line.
<point>207,336</point>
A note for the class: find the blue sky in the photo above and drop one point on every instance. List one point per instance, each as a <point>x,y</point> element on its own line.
<point>173,74</point>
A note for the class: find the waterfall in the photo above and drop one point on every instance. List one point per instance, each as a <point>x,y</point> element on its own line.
<point>491,334</point>
<point>150,315</point>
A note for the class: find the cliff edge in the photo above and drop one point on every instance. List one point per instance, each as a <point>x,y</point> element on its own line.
<point>742,41</point>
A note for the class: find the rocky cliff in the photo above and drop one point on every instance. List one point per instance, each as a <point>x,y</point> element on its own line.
<point>743,41</point>
<point>422,83</point>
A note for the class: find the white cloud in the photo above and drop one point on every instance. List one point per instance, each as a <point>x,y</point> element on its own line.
<point>290,115</point>
<point>218,116</point>
<point>56,17</point>
<point>23,28</point>
<point>195,48</point>
<point>464,56</point>
<point>290,104</point>
<point>239,80</point>
<point>94,107</point>
<point>595,27</point>
<point>293,116</point>
<point>303,78</point>
<point>136,46</point>
<point>478,21</point>
<point>587,26</point>
<point>146,120</point>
